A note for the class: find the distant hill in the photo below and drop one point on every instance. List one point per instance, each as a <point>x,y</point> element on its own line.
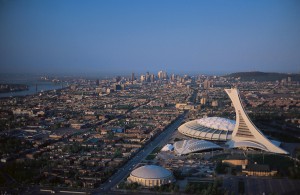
<point>263,76</point>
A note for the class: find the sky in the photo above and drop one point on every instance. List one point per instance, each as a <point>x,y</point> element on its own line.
<point>124,36</point>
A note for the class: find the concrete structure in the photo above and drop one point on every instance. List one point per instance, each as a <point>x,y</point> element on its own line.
<point>151,175</point>
<point>210,128</point>
<point>193,145</point>
<point>245,133</point>
<point>168,147</point>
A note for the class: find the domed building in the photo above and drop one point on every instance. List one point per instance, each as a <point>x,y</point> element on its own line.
<point>241,133</point>
<point>151,175</point>
<point>210,128</point>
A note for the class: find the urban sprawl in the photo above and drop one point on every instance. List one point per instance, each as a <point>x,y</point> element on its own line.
<point>85,137</point>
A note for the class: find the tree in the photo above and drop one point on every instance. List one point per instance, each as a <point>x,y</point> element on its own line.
<point>118,153</point>
<point>220,168</point>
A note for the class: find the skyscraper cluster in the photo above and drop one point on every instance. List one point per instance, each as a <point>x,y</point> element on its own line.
<point>162,75</point>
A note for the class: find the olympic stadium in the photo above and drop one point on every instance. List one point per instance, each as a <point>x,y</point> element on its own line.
<point>241,133</point>
<point>210,128</point>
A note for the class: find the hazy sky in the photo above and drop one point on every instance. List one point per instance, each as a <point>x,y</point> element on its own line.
<point>109,36</point>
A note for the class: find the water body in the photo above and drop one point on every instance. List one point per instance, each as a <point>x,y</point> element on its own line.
<point>34,86</point>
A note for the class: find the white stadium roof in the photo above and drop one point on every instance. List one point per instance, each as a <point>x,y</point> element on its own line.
<point>210,128</point>
<point>151,172</point>
<point>217,123</point>
<point>193,145</point>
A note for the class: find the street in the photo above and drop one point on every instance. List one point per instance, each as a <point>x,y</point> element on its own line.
<point>127,168</point>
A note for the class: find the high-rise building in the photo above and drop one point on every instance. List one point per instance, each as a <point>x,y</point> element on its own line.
<point>178,78</point>
<point>143,78</point>
<point>173,77</point>
<point>147,77</point>
<point>206,84</point>
<point>165,75</point>
<point>152,78</point>
<point>97,82</point>
<point>132,77</point>
<point>160,74</point>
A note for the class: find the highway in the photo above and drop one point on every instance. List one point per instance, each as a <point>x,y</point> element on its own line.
<point>127,168</point>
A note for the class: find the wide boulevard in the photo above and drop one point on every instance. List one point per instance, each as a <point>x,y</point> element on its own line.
<point>127,168</point>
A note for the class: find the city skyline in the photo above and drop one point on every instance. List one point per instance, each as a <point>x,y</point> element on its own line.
<point>210,37</point>
<point>148,97</point>
<point>88,135</point>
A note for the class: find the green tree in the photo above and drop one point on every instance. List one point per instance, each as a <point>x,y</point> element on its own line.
<point>118,153</point>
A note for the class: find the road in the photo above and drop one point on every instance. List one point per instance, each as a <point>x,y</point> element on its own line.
<point>127,168</point>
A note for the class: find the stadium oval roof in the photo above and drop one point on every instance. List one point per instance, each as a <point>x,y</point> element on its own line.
<point>217,123</point>
<point>151,172</point>
<point>210,128</point>
<point>193,145</point>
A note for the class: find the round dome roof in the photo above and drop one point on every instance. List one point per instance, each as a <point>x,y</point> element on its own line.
<point>217,123</point>
<point>210,128</point>
<point>151,172</point>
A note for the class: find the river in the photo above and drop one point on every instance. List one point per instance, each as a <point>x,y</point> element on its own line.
<point>34,86</point>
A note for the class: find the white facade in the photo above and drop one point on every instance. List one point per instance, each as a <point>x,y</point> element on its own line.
<point>193,145</point>
<point>245,133</point>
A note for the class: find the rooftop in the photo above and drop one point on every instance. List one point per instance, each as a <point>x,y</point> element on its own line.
<point>151,172</point>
